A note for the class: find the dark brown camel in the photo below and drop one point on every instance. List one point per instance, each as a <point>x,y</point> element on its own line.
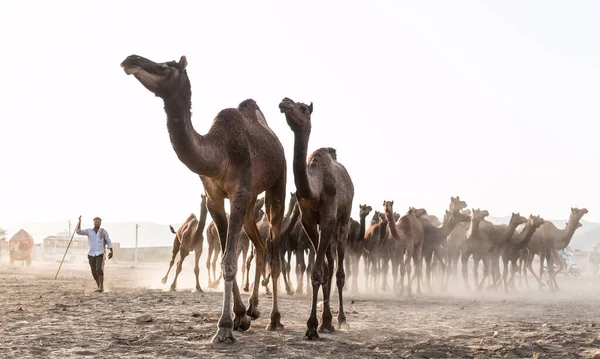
<point>509,250</point>
<point>325,193</point>
<point>547,240</point>
<point>239,158</point>
<point>189,237</point>
<point>356,242</point>
<point>214,246</point>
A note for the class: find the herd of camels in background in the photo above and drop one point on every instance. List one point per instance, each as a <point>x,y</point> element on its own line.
<point>241,157</point>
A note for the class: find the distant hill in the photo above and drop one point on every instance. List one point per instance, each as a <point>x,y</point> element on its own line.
<point>152,234</point>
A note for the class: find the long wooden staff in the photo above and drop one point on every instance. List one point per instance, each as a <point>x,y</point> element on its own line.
<point>63,258</point>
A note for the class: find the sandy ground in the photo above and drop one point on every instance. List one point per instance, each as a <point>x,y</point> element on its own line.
<point>45,318</point>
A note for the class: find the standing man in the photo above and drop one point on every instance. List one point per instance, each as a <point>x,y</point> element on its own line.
<point>96,238</point>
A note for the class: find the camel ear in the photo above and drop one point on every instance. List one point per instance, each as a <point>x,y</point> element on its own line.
<point>310,108</point>
<point>392,203</point>
<point>183,62</point>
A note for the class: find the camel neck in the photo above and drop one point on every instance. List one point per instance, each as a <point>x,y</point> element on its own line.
<point>197,152</point>
<point>301,179</point>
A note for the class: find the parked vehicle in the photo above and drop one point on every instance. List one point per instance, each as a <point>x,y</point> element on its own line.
<point>20,247</point>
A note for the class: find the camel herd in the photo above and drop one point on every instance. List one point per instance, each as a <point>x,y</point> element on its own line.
<point>241,157</point>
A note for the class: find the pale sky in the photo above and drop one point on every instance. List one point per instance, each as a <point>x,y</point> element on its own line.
<point>494,101</point>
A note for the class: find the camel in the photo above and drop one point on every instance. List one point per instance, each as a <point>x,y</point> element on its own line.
<point>501,234</point>
<point>547,240</point>
<point>454,243</point>
<point>214,246</point>
<point>239,158</point>
<point>476,238</point>
<point>435,238</point>
<point>356,241</point>
<point>510,249</point>
<point>325,193</point>
<point>409,236</point>
<point>188,238</point>
<point>523,256</point>
<point>374,239</point>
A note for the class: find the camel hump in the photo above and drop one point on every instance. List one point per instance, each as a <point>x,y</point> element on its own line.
<point>250,110</point>
<point>322,153</point>
<point>405,224</point>
<point>332,152</point>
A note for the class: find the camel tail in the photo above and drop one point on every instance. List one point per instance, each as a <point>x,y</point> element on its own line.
<point>172,230</point>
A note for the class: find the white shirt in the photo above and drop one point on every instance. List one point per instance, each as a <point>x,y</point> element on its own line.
<point>95,243</point>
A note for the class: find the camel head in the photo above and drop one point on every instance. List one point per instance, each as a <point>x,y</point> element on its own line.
<point>516,219</point>
<point>297,114</point>
<point>388,209</point>
<point>456,204</point>
<point>479,215</point>
<point>164,79</point>
<point>577,214</point>
<point>375,218</point>
<point>535,221</point>
<point>382,218</point>
<point>364,210</point>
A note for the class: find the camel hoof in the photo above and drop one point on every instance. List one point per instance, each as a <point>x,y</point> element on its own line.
<point>290,292</point>
<point>326,328</point>
<point>199,290</point>
<point>275,326</point>
<point>343,325</point>
<point>224,336</point>
<point>246,289</point>
<point>299,291</point>
<point>269,294</point>
<point>241,323</point>
<point>311,334</point>
<point>214,285</point>
<point>253,312</point>
<point>164,280</point>
<point>172,289</point>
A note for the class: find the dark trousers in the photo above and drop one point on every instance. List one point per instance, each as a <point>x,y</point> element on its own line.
<point>96,265</point>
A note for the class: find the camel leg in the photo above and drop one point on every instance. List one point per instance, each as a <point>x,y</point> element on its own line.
<point>439,255</point>
<point>300,269</point>
<point>216,253</point>
<point>198,253</point>
<point>355,263</point>
<point>259,252</point>
<point>418,259</point>
<point>182,254</point>
<point>408,258</point>
<point>210,253</point>
<point>385,267</point>
<point>402,262</point>
<point>229,232</point>
<point>340,275</point>
<point>529,264</point>
<point>316,275</point>
<point>248,264</point>
<point>244,268</point>
<point>176,245</point>
<point>428,259</point>
<point>274,207</point>
<point>366,263</point>
<point>395,265</point>
<point>551,272</point>
<point>309,268</point>
<point>464,259</point>
<point>285,270</point>
<point>347,267</point>
<point>328,268</point>
<point>476,271</point>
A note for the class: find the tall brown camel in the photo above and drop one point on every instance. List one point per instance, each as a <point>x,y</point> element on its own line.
<point>409,236</point>
<point>524,254</point>
<point>547,240</point>
<point>214,246</point>
<point>325,193</point>
<point>239,158</point>
<point>510,249</point>
<point>435,238</point>
<point>356,242</point>
<point>188,238</point>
